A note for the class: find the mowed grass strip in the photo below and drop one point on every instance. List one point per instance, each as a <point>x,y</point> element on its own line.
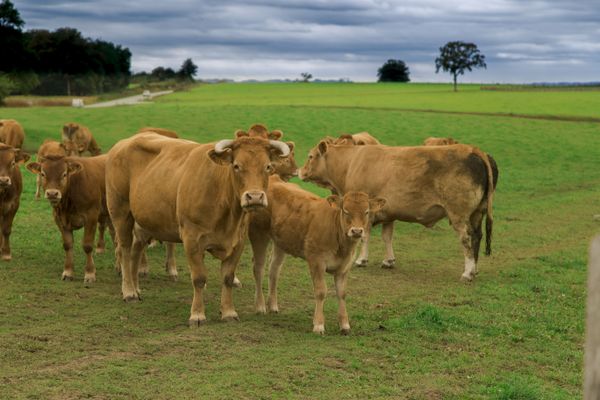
<point>417,331</point>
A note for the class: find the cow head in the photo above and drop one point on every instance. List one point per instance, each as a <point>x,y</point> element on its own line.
<point>355,209</point>
<point>315,168</point>
<point>56,172</point>
<point>10,158</point>
<point>251,162</point>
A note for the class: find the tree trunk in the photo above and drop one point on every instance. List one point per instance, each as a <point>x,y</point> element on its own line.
<point>455,89</point>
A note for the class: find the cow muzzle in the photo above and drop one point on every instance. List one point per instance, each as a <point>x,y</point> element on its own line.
<point>254,199</point>
<point>5,182</point>
<point>53,195</point>
<point>356,233</point>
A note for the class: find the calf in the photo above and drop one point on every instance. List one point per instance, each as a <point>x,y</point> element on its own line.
<point>323,232</point>
<point>48,148</point>
<point>11,186</point>
<point>11,133</point>
<point>75,187</point>
<point>78,139</point>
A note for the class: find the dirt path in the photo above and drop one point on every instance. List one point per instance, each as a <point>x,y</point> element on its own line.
<point>129,100</point>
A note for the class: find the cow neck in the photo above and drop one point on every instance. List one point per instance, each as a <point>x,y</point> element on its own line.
<point>337,163</point>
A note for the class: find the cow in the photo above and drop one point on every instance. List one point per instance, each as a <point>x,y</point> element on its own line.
<point>180,191</point>
<point>421,184</point>
<point>358,139</point>
<point>48,148</point>
<point>434,141</point>
<point>11,133</point>
<point>592,344</point>
<point>75,187</point>
<point>324,232</point>
<point>78,139</point>
<point>11,186</point>
<point>160,131</point>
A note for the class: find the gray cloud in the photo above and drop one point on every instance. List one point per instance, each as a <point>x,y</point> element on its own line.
<point>552,40</point>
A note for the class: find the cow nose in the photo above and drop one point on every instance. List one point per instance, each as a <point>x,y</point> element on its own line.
<point>52,194</point>
<point>254,198</point>
<point>296,172</point>
<point>5,181</point>
<point>356,232</point>
<point>300,174</point>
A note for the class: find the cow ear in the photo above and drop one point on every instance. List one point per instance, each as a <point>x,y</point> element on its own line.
<point>322,146</point>
<point>74,167</point>
<point>21,157</point>
<point>275,134</point>
<point>291,146</point>
<point>334,201</point>
<point>223,158</point>
<point>65,127</point>
<point>34,167</point>
<point>376,204</point>
<point>239,133</point>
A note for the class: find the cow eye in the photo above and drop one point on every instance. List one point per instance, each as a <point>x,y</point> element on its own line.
<point>345,212</point>
<point>64,175</point>
<point>12,164</point>
<point>236,167</point>
<point>367,212</point>
<point>269,168</point>
<point>43,174</point>
<point>310,157</point>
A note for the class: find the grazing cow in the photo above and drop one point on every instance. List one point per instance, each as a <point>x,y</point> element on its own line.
<point>11,133</point>
<point>358,139</point>
<point>434,141</point>
<point>75,188</point>
<point>180,191</point>
<point>48,148</point>
<point>11,186</point>
<point>421,184</point>
<point>592,344</point>
<point>160,131</point>
<point>324,232</point>
<point>78,139</point>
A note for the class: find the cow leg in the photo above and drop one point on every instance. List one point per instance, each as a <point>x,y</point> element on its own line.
<point>340,288</point>
<point>7,221</point>
<point>195,257</point>
<point>465,234</point>
<point>387,230</point>
<point>123,223</point>
<point>363,258</point>
<point>170,264</point>
<point>89,231</point>
<point>317,272</point>
<point>476,221</point>
<point>67,236</point>
<point>228,267</point>
<point>274,269</point>
<point>259,243</point>
<point>102,223</point>
<point>139,262</point>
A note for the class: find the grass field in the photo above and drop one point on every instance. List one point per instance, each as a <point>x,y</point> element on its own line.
<point>417,331</point>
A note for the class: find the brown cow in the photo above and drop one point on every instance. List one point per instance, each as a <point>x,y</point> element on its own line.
<point>11,186</point>
<point>75,188</point>
<point>358,139</point>
<point>11,133</point>
<point>160,131</point>
<point>421,184</point>
<point>179,191</point>
<point>324,232</point>
<point>592,344</point>
<point>48,148</point>
<point>434,141</point>
<point>78,139</point>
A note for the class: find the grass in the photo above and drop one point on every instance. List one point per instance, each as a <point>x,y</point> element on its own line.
<point>417,331</point>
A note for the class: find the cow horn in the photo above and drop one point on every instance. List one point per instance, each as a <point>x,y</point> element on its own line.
<point>223,145</point>
<point>281,146</point>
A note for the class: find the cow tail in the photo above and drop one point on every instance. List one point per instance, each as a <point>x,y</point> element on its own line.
<point>489,218</point>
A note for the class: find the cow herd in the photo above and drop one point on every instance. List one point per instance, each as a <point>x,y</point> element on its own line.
<point>214,197</point>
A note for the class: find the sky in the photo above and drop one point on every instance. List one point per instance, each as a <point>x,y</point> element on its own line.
<point>523,40</point>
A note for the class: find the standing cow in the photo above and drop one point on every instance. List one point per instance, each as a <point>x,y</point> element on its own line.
<point>11,133</point>
<point>324,232</point>
<point>78,139</point>
<point>180,191</point>
<point>75,188</point>
<point>421,184</point>
<point>11,186</point>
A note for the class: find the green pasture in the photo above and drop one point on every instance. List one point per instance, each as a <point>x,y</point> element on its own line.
<point>516,332</point>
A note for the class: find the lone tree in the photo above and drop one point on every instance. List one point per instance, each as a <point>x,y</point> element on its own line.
<point>456,57</point>
<point>393,71</point>
<point>188,70</point>
<point>306,76</point>
<point>9,16</point>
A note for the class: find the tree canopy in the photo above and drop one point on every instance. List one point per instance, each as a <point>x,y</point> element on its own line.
<point>393,71</point>
<point>188,70</point>
<point>456,57</point>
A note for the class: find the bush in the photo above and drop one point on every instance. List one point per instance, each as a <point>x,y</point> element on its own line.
<point>6,86</point>
<point>23,82</point>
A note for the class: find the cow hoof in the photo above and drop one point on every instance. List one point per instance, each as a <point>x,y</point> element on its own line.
<point>143,274</point>
<point>131,298</point>
<point>195,322</point>
<point>261,309</point>
<point>67,277</point>
<point>230,316</point>
<point>174,278</point>
<point>361,262</point>
<point>388,264</point>
<point>319,329</point>
<point>466,277</point>
<point>100,250</point>
<point>89,278</point>
<point>237,283</point>
<point>274,310</point>
<point>6,257</point>
<point>345,331</point>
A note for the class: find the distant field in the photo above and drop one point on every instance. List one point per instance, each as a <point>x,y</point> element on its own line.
<point>417,331</point>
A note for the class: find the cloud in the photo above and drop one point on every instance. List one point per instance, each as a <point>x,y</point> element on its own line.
<point>264,39</point>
